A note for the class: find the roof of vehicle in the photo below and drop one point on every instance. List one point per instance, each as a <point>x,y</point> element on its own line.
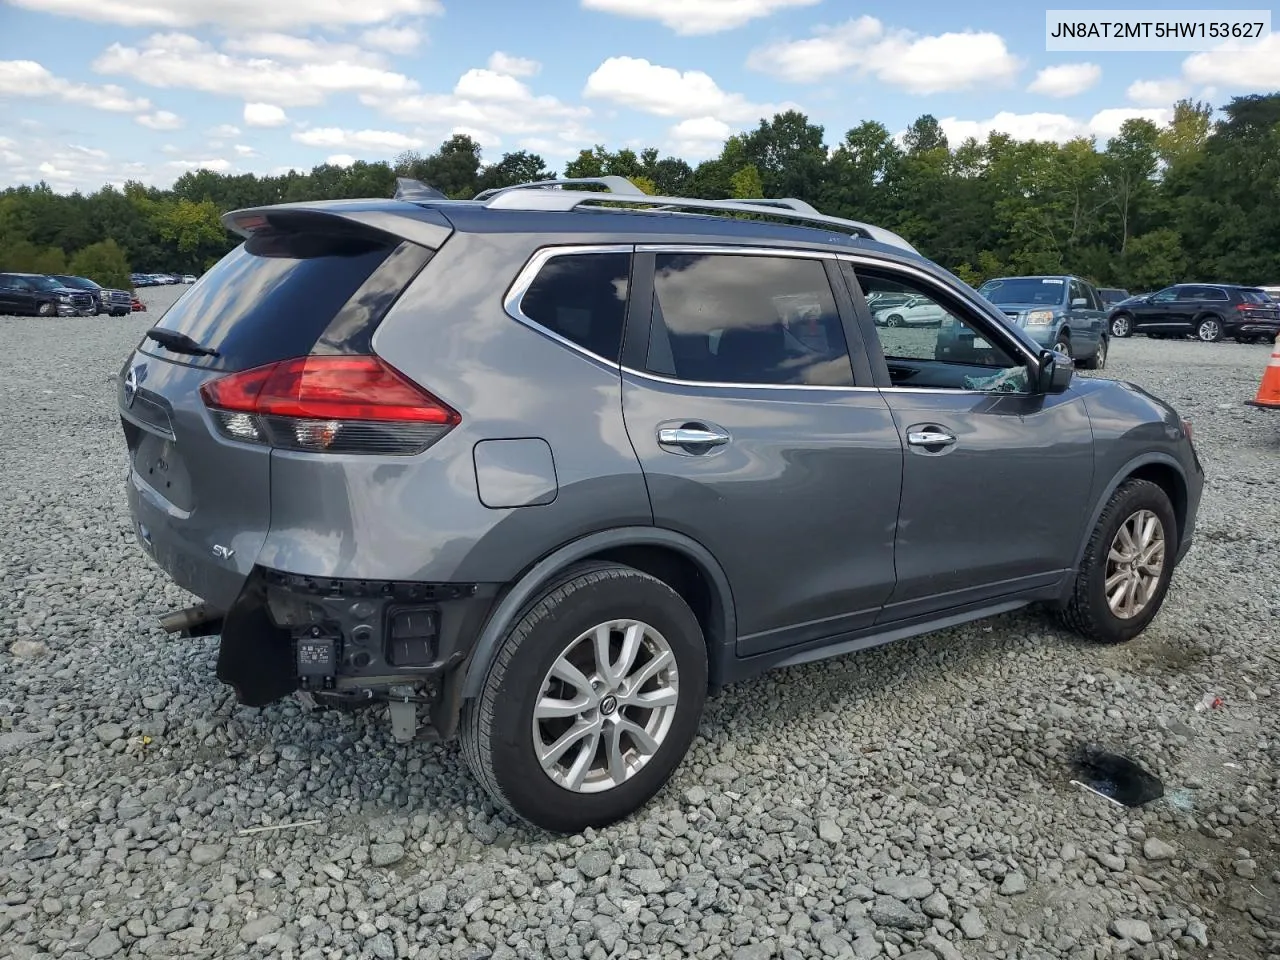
<point>1039,276</point>
<point>546,208</point>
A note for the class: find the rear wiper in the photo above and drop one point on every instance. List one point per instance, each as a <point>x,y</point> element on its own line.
<point>178,342</point>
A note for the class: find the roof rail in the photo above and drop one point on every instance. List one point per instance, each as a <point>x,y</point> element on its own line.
<point>410,189</point>
<point>785,209</point>
<point>614,185</point>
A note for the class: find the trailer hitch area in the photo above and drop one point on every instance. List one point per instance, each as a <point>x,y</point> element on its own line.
<point>198,621</point>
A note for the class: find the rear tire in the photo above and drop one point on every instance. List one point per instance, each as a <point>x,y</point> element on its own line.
<point>1122,326</point>
<point>1090,610</point>
<point>1209,329</point>
<point>551,642</point>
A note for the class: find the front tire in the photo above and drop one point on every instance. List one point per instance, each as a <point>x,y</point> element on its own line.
<point>1063,345</point>
<point>591,702</point>
<point>1125,573</point>
<point>1099,359</point>
<point>46,310</point>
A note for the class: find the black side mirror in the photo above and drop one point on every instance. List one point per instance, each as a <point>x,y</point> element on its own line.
<point>1056,371</point>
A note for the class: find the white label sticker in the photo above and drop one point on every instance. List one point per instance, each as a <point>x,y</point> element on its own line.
<point>1051,280</point>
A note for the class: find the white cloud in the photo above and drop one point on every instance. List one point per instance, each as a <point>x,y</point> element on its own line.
<point>181,60</point>
<point>26,78</point>
<point>394,39</point>
<point>244,150</point>
<point>225,130</point>
<point>284,46</point>
<point>1107,123</point>
<point>340,160</point>
<point>65,168</point>
<point>1239,65</point>
<point>1057,127</point>
<point>668,92</point>
<point>501,62</point>
<point>1157,93</point>
<point>1066,80</point>
<point>217,165</point>
<point>488,106</point>
<point>900,58</point>
<point>264,115</point>
<point>160,120</point>
<point>364,141</point>
<point>688,17</point>
<point>251,14</point>
<point>698,137</point>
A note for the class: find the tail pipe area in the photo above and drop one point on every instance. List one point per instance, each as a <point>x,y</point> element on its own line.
<point>198,621</point>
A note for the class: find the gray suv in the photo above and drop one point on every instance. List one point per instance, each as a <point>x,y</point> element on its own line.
<point>1063,312</point>
<point>542,469</point>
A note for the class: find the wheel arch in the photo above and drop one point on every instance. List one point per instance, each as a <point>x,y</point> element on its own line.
<point>678,560</point>
<point>1158,468</point>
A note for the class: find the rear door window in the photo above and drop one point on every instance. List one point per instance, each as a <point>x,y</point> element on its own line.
<point>582,297</point>
<point>745,319</point>
<point>284,295</point>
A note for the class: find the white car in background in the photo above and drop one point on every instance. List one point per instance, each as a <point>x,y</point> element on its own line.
<point>913,312</point>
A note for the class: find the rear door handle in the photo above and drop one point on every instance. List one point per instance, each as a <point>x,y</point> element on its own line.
<point>930,437</point>
<point>691,437</point>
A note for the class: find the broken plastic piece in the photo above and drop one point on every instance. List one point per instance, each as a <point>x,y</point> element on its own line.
<point>1117,777</point>
<point>1208,702</point>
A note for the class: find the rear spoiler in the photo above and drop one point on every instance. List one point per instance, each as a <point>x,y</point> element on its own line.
<point>383,219</point>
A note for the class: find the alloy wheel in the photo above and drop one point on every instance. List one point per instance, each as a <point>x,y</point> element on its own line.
<point>1135,564</point>
<point>1120,327</point>
<point>1100,358</point>
<point>1209,331</point>
<point>1063,346</point>
<point>605,706</point>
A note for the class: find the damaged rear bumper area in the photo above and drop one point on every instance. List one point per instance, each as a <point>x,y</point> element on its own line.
<point>349,642</point>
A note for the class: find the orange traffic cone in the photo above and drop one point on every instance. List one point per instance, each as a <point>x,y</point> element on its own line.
<point>1269,391</point>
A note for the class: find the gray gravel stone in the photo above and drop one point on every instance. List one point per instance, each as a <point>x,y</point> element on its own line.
<point>385,854</point>
<point>1013,884</point>
<point>1153,848</point>
<point>105,944</point>
<point>255,930</point>
<point>1128,929</point>
<point>888,912</point>
<point>1197,931</point>
<point>28,650</point>
<point>829,830</point>
<point>935,905</point>
<point>595,863</point>
<point>904,888</point>
<point>109,732</point>
<point>206,853</point>
<point>971,925</point>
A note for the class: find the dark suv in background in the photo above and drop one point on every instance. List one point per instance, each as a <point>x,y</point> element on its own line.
<point>116,303</point>
<point>1112,296</point>
<point>36,294</point>
<point>1208,311</point>
<point>541,470</point>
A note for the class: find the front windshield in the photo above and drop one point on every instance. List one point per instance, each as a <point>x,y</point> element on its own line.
<point>80,283</point>
<point>1047,290</point>
<point>44,283</point>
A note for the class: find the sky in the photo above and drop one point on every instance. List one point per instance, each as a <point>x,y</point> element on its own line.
<point>103,91</point>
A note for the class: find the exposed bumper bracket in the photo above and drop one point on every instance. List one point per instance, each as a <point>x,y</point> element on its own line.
<point>198,621</point>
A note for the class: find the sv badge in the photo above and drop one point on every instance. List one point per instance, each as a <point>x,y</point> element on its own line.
<point>223,553</point>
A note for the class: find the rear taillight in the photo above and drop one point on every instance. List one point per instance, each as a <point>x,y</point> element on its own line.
<point>328,405</point>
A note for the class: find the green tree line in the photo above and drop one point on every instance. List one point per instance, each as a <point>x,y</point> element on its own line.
<point>1195,200</point>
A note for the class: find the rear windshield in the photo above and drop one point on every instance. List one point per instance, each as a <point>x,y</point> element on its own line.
<point>272,298</point>
<point>1255,296</point>
<point>1046,290</point>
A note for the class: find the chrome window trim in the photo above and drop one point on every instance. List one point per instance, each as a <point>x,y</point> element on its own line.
<point>529,272</point>
<point>524,279</point>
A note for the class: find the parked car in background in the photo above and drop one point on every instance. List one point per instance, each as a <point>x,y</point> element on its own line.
<point>1208,311</point>
<point>112,302</point>
<point>1062,312</point>
<point>137,306</point>
<point>1111,296</point>
<point>664,458</point>
<point>38,295</point>
<point>911,312</point>
<point>142,280</point>
<point>188,278</point>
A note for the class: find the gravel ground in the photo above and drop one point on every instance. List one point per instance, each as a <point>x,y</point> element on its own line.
<point>912,801</point>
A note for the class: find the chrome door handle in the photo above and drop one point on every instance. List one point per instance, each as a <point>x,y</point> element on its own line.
<point>930,438</point>
<point>691,437</point>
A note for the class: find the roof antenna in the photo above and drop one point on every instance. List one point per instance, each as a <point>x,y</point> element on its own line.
<point>409,189</point>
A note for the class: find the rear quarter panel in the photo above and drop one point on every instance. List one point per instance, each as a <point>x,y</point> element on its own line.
<point>422,518</point>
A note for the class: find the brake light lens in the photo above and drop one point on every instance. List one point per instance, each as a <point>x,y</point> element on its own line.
<point>340,404</point>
